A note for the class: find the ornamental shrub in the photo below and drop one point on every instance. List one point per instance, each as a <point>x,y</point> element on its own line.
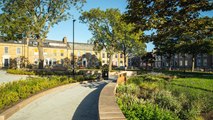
<point>13,92</point>
<point>79,78</point>
<point>129,89</point>
<point>147,111</point>
<point>167,101</point>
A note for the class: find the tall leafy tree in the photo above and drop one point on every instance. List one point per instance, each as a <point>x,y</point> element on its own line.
<point>111,33</point>
<point>197,38</point>
<point>102,24</point>
<point>174,18</point>
<point>34,18</point>
<point>129,40</point>
<point>148,58</point>
<point>166,47</point>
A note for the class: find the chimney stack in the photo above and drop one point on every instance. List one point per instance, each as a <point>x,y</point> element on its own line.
<point>65,40</point>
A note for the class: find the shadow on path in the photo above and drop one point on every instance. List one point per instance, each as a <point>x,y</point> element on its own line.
<point>88,108</point>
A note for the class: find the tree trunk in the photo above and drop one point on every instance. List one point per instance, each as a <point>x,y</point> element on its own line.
<point>170,68</point>
<point>40,53</point>
<point>110,62</point>
<point>161,62</point>
<point>27,43</point>
<point>193,63</point>
<point>146,65</point>
<point>184,66</point>
<point>170,61</point>
<point>125,60</point>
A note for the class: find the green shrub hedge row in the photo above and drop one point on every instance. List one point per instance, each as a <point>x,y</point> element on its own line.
<point>48,72</point>
<point>20,72</point>
<point>13,92</point>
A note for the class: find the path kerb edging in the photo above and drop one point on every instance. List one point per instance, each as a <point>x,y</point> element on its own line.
<point>6,114</point>
<point>107,107</point>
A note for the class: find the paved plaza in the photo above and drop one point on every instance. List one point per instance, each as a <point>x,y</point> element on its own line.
<point>78,102</point>
<point>5,77</point>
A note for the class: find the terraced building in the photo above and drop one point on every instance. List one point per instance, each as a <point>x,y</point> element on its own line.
<point>54,52</point>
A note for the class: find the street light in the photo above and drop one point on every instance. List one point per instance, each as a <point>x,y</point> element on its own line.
<point>73,72</point>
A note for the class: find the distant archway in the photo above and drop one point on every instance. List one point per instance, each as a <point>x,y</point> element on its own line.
<point>84,62</point>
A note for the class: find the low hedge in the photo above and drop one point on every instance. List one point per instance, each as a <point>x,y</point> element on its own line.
<point>20,72</point>
<point>13,92</point>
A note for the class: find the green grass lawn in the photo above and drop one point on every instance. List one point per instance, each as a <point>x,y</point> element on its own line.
<point>195,88</point>
<point>194,94</point>
<point>197,83</point>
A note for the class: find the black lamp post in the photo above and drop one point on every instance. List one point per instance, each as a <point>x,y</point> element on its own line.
<point>73,72</point>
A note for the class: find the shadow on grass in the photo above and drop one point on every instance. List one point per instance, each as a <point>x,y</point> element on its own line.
<point>88,108</point>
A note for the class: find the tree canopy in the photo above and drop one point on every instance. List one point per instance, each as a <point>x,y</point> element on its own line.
<point>110,32</point>
<point>174,19</point>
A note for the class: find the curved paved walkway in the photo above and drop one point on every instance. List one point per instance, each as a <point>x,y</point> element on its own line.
<point>5,77</point>
<point>75,103</point>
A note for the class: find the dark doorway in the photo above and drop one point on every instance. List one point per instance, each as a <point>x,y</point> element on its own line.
<point>84,63</point>
<point>6,62</point>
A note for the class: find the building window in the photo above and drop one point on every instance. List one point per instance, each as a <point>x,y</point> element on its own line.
<point>54,61</point>
<point>159,64</point>
<point>205,62</point>
<point>6,50</point>
<point>103,61</point>
<point>199,55</point>
<point>176,63</point>
<point>121,63</point>
<point>62,52</point>
<point>205,55</point>
<point>121,55</point>
<point>103,55</point>
<point>116,55</point>
<point>181,62</point>
<point>186,63</point>
<point>18,50</point>
<point>198,62</point>
<point>36,50</point>
<point>108,55</point>
<point>46,61</point>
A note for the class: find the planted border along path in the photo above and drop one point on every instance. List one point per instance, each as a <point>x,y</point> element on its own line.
<point>75,103</point>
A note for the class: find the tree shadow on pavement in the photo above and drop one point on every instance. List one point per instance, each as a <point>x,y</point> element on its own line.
<point>88,108</point>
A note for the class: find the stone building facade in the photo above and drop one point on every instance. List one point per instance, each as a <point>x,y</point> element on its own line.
<point>178,62</point>
<point>54,52</point>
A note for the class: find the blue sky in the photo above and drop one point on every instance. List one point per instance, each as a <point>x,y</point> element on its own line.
<point>82,34</point>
